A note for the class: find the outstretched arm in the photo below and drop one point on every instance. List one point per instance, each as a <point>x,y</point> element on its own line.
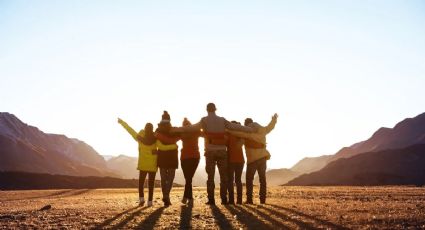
<point>272,124</point>
<point>237,127</point>
<point>130,130</point>
<point>191,128</point>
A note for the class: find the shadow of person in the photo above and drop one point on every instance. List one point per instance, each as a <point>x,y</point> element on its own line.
<point>220,218</point>
<point>301,214</point>
<point>249,220</point>
<point>121,223</point>
<point>186,216</point>
<point>268,218</point>
<point>150,221</point>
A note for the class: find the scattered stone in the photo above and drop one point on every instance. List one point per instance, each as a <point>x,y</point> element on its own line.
<point>47,207</point>
<point>7,217</point>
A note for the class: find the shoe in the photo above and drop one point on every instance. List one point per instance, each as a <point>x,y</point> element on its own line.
<point>149,204</point>
<point>249,202</point>
<point>184,200</point>
<point>141,201</point>
<point>224,202</point>
<point>262,201</point>
<point>190,202</point>
<point>210,202</point>
<point>232,202</point>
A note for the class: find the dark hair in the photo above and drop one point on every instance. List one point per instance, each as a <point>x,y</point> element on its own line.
<point>235,122</point>
<point>149,138</point>
<point>248,121</point>
<point>211,107</point>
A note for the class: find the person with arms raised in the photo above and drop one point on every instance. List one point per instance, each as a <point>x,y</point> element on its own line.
<point>256,156</point>
<point>147,162</point>
<point>214,127</point>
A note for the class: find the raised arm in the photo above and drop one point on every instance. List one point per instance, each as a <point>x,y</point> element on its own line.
<point>130,130</point>
<point>237,127</point>
<point>272,124</point>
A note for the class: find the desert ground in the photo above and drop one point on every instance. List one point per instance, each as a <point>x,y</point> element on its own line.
<point>286,208</point>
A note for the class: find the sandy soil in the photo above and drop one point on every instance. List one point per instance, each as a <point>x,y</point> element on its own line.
<point>286,208</point>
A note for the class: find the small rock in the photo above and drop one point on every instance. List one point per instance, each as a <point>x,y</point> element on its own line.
<point>6,217</point>
<point>47,207</point>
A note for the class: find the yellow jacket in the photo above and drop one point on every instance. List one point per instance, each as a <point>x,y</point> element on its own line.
<point>147,160</point>
<point>258,136</point>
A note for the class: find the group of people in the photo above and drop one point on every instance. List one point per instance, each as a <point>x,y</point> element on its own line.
<point>223,148</point>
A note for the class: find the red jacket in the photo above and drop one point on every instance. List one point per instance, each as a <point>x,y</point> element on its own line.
<point>235,149</point>
<point>190,148</point>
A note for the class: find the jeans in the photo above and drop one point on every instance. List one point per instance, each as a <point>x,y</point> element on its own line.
<point>189,167</point>
<point>151,183</point>
<point>260,166</point>
<point>167,178</point>
<point>212,159</point>
<point>234,175</point>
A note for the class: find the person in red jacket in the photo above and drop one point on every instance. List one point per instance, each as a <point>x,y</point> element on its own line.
<point>189,159</point>
<point>235,166</point>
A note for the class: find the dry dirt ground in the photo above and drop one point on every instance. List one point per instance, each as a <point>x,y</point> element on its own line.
<point>286,208</point>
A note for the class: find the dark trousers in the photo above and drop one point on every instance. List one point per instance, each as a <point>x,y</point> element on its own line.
<point>219,158</point>
<point>151,183</point>
<point>234,177</point>
<point>259,166</point>
<point>167,178</point>
<point>189,167</point>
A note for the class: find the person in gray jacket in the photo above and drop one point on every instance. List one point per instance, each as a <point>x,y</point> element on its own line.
<point>214,129</point>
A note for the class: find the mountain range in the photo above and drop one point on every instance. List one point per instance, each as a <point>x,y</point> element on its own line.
<point>26,148</point>
<point>388,149</point>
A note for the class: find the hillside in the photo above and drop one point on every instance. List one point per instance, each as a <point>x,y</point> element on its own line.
<point>408,132</point>
<point>388,167</point>
<point>26,148</point>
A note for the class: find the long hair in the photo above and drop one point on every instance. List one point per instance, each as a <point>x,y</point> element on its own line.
<point>149,137</point>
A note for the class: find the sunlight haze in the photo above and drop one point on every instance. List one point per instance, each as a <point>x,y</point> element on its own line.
<point>335,72</point>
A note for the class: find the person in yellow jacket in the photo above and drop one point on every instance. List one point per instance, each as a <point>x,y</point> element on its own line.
<point>147,163</point>
<point>256,155</point>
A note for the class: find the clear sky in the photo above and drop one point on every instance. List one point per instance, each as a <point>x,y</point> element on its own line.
<point>335,71</point>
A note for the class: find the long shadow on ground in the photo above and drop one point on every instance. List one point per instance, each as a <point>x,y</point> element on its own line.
<point>221,220</point>
<point>110,220</point>
<point>186,216</point>
<point>275,223</point>
<point>326,223</point>
<point>247,219</point>
<point>150,221</point>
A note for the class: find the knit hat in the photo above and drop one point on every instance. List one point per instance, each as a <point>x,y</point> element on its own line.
<point>165,117</point>
<point>186,122</point>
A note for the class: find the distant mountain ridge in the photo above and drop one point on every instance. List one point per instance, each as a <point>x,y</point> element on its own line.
<point>26,148</point>
<point>408,132</point>
<point>404,166</point>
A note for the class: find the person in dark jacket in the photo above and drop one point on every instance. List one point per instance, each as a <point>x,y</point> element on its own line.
<point>167,156</point>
